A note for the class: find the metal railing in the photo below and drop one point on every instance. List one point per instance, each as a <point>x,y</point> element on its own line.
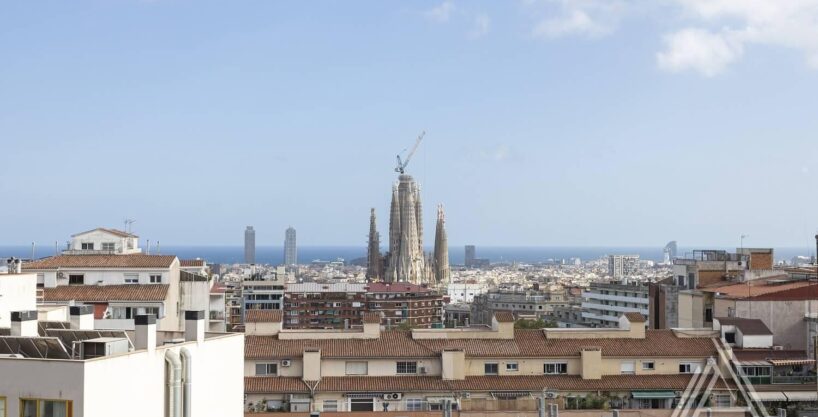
<point>793,379</point>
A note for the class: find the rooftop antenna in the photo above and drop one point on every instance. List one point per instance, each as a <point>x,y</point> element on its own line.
<point>128,223</point>
<point>402,164</point>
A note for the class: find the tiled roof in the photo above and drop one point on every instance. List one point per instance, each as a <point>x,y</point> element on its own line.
<point>634,317</point>
<point>102,261</point>
<point>263,316</point>
<point>536,383</point>
<point>191,262</point>
<point>750,327</point>
<point>526,343</point>
<point>767,354</point>
<point>504,316</point>
<point>271,384</point>
<point>376,287</point>
<point>115,232</point>
<point>105,293</point>
<point>756,289</point>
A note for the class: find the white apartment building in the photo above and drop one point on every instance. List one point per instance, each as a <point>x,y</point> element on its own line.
<point>103,241</point>
<point>67,368</point>
<point>621,266</point>
<point>17,293</point>
<point>604,303</point>
<point>464,292</point>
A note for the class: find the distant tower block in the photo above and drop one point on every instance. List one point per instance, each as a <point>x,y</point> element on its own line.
<point>471,253</point>
<point>374,263</point>
<point>290,247</point>
<point>249,245</point>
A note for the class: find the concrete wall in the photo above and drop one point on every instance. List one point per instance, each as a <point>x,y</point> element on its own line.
<point>18,292</point>
<point>105,277</point>
<point>784,318</point>
<point>43,379</point>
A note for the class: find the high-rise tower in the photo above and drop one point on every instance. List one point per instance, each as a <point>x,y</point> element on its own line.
<point>406,260</point>
<point>249,245</point>
<point>374,264</point>
<point>441,253</point>
<point>290,248</point>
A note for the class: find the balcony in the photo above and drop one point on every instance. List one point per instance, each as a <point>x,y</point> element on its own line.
<point>217,316</point>
<point>793,379</point>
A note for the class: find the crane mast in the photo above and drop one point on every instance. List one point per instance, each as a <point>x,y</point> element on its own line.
<point>402,164</point>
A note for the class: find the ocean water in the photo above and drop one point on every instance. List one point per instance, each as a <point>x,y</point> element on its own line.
<point>275,254</point>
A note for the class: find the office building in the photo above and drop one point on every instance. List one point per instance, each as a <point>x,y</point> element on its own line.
<point>290,248</point>
<point>623,266</point>
<point>249,245</point>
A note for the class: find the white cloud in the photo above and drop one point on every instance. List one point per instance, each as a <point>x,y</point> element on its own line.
<point>783,23</point>
<point>481,26</point>
<point>442,12</point>
<point>589,18</point>
<point>699,50</point>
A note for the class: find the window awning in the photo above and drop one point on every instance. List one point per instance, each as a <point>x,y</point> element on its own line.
<point>653,394</point>
<point>801,395</point>
<point>785,362</point>
<point>510,394</point>
<point>438,400</point>
<point>769,396</point>
<point>755,363</point>
<point>364,395</point>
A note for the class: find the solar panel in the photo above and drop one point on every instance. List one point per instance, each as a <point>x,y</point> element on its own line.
<point>69,336</point>
<point>33,347</point>
<point>43,325</point>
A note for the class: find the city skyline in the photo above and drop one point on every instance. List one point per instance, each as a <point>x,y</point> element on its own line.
<point>664,144</point>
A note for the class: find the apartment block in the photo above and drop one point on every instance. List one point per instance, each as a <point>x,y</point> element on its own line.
<point>324,306</point>
<point>604,303</point>
<point>403,303</point>
<point>530,304</point>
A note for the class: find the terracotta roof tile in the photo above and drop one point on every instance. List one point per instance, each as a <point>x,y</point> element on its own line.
<point>756,289</point>
<point>271,384</point>
<point>191,262</point>
<point>263,316</point>
<point>102,261</point>
<point>534,383</point>
<point>634,317</point>
<point>105,293</point>
<point>504,316</point>
<point>767,354</point>
<point>526,343</point>
<point>751,327</point>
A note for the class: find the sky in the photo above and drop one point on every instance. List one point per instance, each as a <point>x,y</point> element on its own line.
<point>548,122</point>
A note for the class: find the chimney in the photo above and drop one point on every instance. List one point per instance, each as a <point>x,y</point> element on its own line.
<point>312,364</point>
<point>145,332</point>
<point>372,325</point>
<point>14,265</point>
<point>453,362</point>
<point>82,317</point>
<point>591,362</point>
<point>24,323</point>
<point>194,326</point>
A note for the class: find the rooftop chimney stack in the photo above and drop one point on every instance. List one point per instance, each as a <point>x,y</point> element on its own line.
<point>14,265</point>
<point>82,317</point>
<point>24,323</point>
<point>194,326</point>
<point>145,332</point>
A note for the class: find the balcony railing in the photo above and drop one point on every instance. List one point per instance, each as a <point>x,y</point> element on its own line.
<point>216,315</point>
<point>793,379</point>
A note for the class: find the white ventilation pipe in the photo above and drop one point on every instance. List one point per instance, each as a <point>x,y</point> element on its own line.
<point>174,384</point>
<point>187,379</point>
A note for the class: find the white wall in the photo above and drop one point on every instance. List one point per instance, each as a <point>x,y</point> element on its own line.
<point>42,379</point>
<point>18,292</point>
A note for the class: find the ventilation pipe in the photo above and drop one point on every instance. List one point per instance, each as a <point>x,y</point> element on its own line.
<point>174,384</point>
<point>187,379</point>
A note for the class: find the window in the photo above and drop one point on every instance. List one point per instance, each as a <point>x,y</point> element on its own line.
<point>361,404</point>
<point>132,278</point>
<point>512,367</point>
<point>407,367</point>
<point>330,405</point>
<point>126,313</point>
<point>555,368</point>
<point>648,365</point>
<point>267,369</point>
<point>689,367</point>
<point>722,400</point>
<point>491,369</point>
<point>2,406</point>
<point>77,279</point>
<point>108,246</point>
<point>414,404</point>
<point>156,279</point>
<point>88,246</point>
<point>357,368</point>
<point>730,337</point>
<point>627,367</point>
<point>708,314</point>
<point>45,408</point>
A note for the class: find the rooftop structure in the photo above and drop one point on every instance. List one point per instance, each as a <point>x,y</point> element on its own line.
<point>249,245</point>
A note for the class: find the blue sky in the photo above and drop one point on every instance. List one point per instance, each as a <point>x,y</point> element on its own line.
<point>549,122</point>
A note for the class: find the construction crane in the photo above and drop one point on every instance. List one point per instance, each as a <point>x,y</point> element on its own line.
<point>402,164</point>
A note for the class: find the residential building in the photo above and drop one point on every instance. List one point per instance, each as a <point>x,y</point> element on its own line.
<point>604,303</point>
<point>403,303</point>
<point>313,305</point>
<point>457,315</point>
<point>492,368</point>
<point>249,245</point>
<point>290,247</point>
<point>623,266</point>
<point>103,241</point>
<point>464,292</point>
<point>263,292</point>
<point>17,292</point>
<point>532,304</point>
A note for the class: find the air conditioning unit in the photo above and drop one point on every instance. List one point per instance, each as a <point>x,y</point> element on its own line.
<point>422,370</point>
<point>392,396</point>
<point>466,395</point>
<point>778,347</point>
<point>60,275</point>
<point>550,394</point>
<point>285,363</point>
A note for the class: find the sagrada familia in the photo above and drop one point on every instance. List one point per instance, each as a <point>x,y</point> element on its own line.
<point>406,261</point>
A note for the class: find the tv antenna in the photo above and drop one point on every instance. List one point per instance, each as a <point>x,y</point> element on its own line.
<point>128,223</point>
